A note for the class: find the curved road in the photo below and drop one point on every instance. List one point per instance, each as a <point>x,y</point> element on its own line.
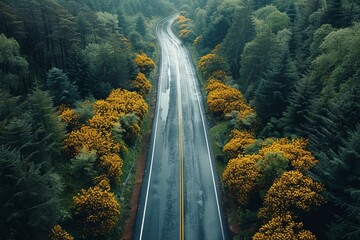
<point>179,198</point>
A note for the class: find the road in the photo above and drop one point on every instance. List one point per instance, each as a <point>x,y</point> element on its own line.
<point>179,197</point>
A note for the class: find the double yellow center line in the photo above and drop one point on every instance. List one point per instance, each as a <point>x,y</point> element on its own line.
<point>181,183</point>
<point>182,211</point>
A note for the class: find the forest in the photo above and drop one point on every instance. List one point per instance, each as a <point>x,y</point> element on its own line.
<point>75,77</point>
<point>281,79</point>
<point>281,83</point>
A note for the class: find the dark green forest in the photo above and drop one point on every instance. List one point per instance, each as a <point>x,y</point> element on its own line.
<point>297,65</point>
<point>58,58</point>
<point>292,67</point>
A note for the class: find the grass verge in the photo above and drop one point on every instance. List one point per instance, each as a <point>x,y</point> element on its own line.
<point>218,136</point>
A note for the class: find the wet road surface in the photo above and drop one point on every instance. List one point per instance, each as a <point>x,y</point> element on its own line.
<point>179,197</point>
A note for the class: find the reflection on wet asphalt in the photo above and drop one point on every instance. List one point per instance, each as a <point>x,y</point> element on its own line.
<point>159,207</point>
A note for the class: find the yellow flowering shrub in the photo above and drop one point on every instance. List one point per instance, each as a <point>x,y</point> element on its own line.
<point>240,176</point>
<point>111,165</point>
<point>294,150</point>
<point>57,233</point>
<point>182,26</point>
<point>135,130</point>
<point>245,112</point>
<point>124,102</point>
<point>292,190</point>
<point>144,63</point>
<point>214,84</point>
<point>224,99</point>
<point>141,84</point>
<point>70,117</point>
<point>208,59</point>
<point>184,33</point>
<point>96,209</point>
<point>196,41</point>
<point>182,19</point>
<point>218,75</point>
<point>239,141</point>
<point>283,228</point>
<point>103,123</point>
<point>91,139</point>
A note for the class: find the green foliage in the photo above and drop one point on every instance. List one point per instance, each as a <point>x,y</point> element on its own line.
<point>318,38</point>
<point>29,198</point>
<point>215,31</point>
<point>128,122</point>
<point>61,88</point>
<point>34,129</point>
<point>295,116</point>
<point>48,131</point>
<point>75,50</point>
<point>17,134</point>
<point>297,64</point>
<point>107,68</point>
<point>248,222</point>
<point>13,67</point>
<point>9,105</point>
<point>255,59</point>
<point>343,180</point>
<point>272,166</point>
<point>141,25</point>
<point>107,24</point>
<point>82,166</point>
<point>241,31</point>
<point>335,14</point>
<point>271,97</point>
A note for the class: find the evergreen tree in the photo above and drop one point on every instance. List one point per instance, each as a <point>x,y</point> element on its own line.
<point>48,131</point>
<point>61,88</point>
<point>29,198</point>
<point>17,134</point>
<point>123,24</point>
<point>9,105</point>
<point>241,31</point>
<point>344,190</point>
<point>141,25</point>
<point>76,69</point>
<point>272,94</point>
<point>13,67</point>
<point>335,14</point>
<point>295,116</point>
<point>255,59</point>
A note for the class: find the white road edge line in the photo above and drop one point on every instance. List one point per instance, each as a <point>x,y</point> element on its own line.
<point>153,150</point>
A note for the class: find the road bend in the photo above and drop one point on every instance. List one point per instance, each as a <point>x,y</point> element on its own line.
<point>179,197</point>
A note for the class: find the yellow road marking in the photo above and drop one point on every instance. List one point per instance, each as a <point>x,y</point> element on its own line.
<point>182,232</point>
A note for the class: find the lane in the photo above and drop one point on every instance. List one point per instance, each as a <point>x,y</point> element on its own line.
<point>179,197</point>
<point>202,209</point>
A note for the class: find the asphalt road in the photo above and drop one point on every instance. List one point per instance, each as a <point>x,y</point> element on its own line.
<point>179,197</point>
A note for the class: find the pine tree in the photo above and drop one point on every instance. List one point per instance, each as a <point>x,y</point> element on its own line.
<point>17,134</point>
<point>13,67</point>
<point>344,190</point>
<point>295,116</point>
<point>241,31</point>
<point>335,14</point>
<point>255,59</point>
<point>76,70</point>
<point>62,89</point>
<point>272,94</point>
<point>48,131</point>
<point>141,25</point>
<point>29,201</point>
